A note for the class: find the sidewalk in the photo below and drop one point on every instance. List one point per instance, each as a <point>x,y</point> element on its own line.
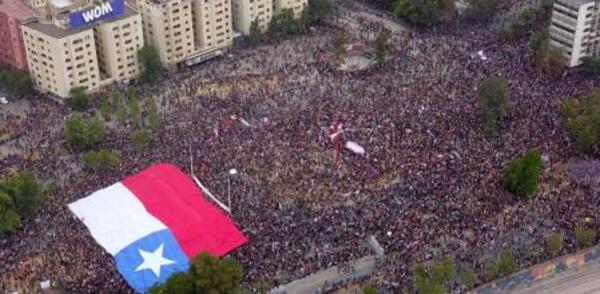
<point>546,270</point>
<point>362,267</point>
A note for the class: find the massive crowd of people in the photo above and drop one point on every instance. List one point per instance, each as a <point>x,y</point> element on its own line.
<point>427,186</point>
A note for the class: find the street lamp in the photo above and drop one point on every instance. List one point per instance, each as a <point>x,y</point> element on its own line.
<point>232,172</point>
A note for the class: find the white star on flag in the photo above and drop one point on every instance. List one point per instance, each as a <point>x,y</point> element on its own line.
<point>153,260</point>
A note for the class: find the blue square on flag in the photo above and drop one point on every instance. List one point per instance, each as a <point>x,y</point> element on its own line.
<point>151,260</point>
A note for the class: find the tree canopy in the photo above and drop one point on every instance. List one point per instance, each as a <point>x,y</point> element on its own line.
<point>207,274</point>
<point>433,281</point>
<point>493,98</point>
<point>16,81</point>
<point>283,24</point>
<point>20,196</point>
<point>582,121</point>
<point>82,133</point>
<point>151,64</point>
<point>78,99</point>
<point>521,176</point>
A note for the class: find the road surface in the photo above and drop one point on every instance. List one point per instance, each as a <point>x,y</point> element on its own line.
<point>583,281</point>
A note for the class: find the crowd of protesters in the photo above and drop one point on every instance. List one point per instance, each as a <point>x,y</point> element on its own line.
<point>427,186</point>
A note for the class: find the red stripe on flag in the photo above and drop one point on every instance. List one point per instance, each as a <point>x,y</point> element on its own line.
<point>173,198</point>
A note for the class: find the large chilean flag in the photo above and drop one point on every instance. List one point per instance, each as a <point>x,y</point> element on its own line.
<point>154,222</point>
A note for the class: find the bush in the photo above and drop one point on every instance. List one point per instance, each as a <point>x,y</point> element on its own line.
<point>255,33</point>
<point>468,277</point>
<point>554,244</point>
<point>585,237</point>
<point>506,263</point>
<point>140,140</point>
<point>82,133</point>
<point>381,46</point>
<point>78,99</point>
<point>316,11</point>
<point>521,176</point>
<point>492,96</point>
<point>20,196</point>
<point>102,159</point>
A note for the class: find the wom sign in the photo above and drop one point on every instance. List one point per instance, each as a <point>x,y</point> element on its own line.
<point>102,11</point>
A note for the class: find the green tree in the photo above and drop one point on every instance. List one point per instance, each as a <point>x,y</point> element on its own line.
<point>83,133</point>
<point>506,263</point>
<point>468,277</point>
<point>214,275</point>
<point>419,12</point>
<point>78,99</point>
<point>153,120</point>
<point>537,39</point>
<point>283,24</point>
<point>435,281</point>
<point>255,33</point>
<point>554,244</point>
<point>140,139</point>
<point>549,58</point>
<point>121,107</point>
<point>585,237</point>
<point>179,283</point>
<point>582,121</point>
<point>381,46</point>
<point>482,9</point>
<point>10,220</point>
<point>106,109</point>
<point>521,176</point>
<point>102,159</point>
<point>368,288</point>
<point>25,191</point>
<point>316,11</point>
<point>16,81</point>
<point>492,95</point>
<point>151,63</point>
<point>591,66</point>
<point>339,41</point>
<point>134,111</point>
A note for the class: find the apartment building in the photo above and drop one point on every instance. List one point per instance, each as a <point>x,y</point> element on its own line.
<point>247,11</point>
<point>79,44</point>
<point>12,50</point>
<point>574,29</point>
<point>187,30</point>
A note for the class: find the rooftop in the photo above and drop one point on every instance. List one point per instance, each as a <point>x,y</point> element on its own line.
<point>56,32</point>
<point>16,9</point>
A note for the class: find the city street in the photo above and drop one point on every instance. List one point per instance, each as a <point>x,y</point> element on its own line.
<point>585,280</point>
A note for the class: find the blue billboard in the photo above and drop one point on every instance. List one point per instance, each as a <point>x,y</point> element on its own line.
<point>99,12</point>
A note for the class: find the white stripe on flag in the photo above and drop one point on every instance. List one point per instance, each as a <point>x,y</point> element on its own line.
<point>115,217</point>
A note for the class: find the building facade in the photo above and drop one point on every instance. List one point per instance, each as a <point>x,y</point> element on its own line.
<point>574,29</point>
<point>12,49</point>
<point>187,30</point>
<point>247,11</point>
<point>62,56</point>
